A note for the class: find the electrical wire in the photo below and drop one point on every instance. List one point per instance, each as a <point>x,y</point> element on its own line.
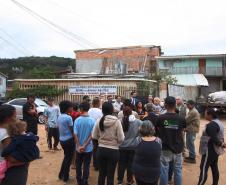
<point>103,28</point>
<point>66,33</point>
<point>14,46</point>
<point>17,43</point>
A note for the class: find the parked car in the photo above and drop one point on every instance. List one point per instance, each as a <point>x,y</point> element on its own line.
<point>2,100</point>
<point>19,102</point>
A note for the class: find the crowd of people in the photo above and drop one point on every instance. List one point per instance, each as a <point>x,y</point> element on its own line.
<point>147,141</point>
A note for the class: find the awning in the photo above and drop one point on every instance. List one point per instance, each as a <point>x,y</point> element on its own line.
<point>191,80</point>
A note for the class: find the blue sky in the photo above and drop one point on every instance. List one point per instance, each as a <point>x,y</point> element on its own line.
<point>178,26</point>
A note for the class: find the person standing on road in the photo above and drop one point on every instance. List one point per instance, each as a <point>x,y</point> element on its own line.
<point>16,174</point>
<point>182,111</point>
<point>65,125</point>
<point>130,127</point>
<point>127,103</point>
<point>181,107</point>
<point>110,99</point>
<point>52,113</point>
<point>170,128</point>
<point>118,104</point>
<point>151,116</point>
<point>133,99</point>
<point>146,163</point>
<point>211,146</point>
<point>95,113</point>
<point>109,133</point>
<point>30,115</point>
<point>192,128</point>
<point>83,128</point>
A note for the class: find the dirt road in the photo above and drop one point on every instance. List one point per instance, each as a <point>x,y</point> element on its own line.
<point>45,171</point>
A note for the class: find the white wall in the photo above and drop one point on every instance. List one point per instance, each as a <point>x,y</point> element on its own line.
<point>187,93</point>
<point>2,86</point>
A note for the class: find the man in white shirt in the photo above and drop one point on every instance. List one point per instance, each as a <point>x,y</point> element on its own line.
<point>95,112</point>
<point>118,104</point>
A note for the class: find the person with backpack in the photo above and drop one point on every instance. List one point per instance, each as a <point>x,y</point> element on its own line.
<point>211,146</point>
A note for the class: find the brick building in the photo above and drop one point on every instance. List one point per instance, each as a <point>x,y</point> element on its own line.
<point>117,61</point>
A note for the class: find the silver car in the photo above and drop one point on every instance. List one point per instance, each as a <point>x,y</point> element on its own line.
<point>40,107</point>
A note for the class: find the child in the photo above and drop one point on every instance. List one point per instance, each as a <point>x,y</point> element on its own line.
<point>22,147</point>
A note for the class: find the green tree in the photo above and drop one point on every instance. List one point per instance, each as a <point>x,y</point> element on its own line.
<point>24,67</point>
<point>41,91</point>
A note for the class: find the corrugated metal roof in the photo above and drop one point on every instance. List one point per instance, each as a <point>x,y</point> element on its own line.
<point>191,80</point>
<point>192,56</point>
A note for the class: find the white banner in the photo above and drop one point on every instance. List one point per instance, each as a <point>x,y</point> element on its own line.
<point>93,90</point>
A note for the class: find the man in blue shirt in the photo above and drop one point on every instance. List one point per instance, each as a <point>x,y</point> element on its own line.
<point>65,125</point>
<point>83,128</point>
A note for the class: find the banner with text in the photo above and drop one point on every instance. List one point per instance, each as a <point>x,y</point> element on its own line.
<point>93,90</point>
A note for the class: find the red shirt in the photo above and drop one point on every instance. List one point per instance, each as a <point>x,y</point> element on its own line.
<point>75,115</point>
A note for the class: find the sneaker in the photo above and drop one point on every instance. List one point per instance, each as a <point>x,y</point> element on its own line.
<point>189,160</point>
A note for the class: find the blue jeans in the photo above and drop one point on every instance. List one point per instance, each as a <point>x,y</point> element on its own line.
<point>190,143</point>
<point>166,157</point>
<point>83,161</point>
<point>171,166</point>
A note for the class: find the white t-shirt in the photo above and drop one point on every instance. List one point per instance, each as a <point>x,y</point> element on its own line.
<point>95,113</point>
<point>117,106</point>
<point>3,135</point>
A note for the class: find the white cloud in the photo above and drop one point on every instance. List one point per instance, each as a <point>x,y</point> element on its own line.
<point>179,26</point>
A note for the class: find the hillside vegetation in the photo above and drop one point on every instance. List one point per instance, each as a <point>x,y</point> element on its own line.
<point>36,67</point>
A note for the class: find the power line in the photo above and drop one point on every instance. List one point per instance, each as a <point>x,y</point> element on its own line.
<point>17,43</point>
<point>14,46</point>
<point>68,34</point>
<point>103,27</point>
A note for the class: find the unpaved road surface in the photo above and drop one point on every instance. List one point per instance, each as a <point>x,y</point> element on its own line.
<point>45,170</point>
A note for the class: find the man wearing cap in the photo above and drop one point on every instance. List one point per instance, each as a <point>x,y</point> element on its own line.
<point>170,128</point>
<point>192,128</point>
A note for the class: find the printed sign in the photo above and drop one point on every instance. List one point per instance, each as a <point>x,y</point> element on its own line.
<point>93,90</point>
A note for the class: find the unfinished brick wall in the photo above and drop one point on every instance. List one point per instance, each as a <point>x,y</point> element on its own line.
<point>134,57</point>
